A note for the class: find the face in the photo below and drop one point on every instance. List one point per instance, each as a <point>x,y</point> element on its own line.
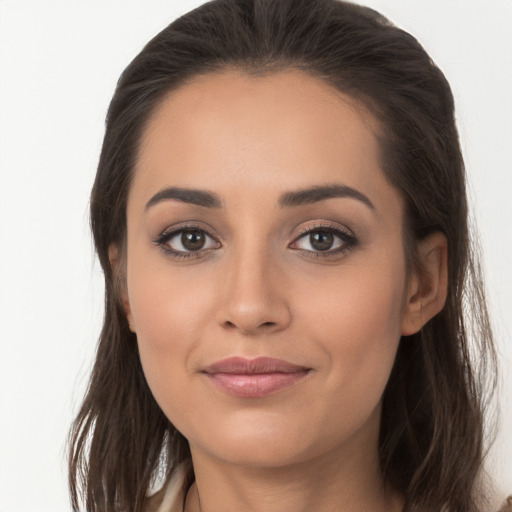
<point>265,268</point>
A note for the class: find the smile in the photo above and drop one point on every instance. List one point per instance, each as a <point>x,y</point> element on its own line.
<point>254,378</point>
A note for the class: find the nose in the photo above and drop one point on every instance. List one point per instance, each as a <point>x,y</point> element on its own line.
<point>254,299</point>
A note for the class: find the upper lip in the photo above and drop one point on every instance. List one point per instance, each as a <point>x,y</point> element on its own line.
<point>241,365</point>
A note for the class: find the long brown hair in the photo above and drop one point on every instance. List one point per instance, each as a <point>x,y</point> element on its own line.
<point>431,439</point>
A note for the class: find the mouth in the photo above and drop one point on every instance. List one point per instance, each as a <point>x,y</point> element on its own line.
<point>254,378</point>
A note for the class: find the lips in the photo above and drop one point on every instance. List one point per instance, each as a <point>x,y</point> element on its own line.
<point>254,378</point>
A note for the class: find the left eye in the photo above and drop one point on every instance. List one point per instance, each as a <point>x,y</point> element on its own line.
<point>323,240</point>
<point>188,240</point>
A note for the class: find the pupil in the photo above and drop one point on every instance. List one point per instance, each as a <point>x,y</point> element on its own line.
<point>192,240</point>
<point>321,240</point>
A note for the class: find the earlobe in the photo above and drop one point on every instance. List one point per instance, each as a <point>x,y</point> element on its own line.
<point>428,285</point>
<point>119,275</point>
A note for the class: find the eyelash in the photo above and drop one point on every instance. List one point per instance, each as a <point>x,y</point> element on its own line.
<point>163,238</point>
<point>349,241</point>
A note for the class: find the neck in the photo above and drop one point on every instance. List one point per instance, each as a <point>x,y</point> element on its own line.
<point>337,481</point>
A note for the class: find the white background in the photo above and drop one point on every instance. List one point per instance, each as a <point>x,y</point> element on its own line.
<point>59,62</point>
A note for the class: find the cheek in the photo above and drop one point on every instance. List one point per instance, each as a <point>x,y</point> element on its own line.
<point>356,320</point>
<point>169,310</point>
<point>167,303</point>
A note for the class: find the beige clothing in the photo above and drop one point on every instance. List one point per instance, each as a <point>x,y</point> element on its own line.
<point>172,497</point>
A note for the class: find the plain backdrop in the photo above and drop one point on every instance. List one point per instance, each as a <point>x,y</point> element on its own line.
<point>59,62</point>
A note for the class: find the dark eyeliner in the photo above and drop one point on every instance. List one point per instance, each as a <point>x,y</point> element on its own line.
<point>170,233</point>
<point>350,241</point>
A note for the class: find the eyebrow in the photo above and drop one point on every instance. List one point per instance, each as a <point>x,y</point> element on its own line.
<point>300,197</point>
<point>186,195</point>
<point>321,193</point>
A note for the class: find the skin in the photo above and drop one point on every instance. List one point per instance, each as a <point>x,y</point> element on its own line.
<point>259,288</point>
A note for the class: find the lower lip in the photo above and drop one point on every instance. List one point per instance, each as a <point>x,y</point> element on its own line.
<point>255,385</point>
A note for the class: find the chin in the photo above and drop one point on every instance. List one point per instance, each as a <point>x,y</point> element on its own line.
<point>254,441</point>
<point>259,453</point>
<point>268,440</point>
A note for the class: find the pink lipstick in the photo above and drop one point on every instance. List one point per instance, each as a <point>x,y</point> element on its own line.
<point>254,378</point>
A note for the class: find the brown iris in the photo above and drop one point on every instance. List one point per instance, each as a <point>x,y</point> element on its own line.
<point>321,240</point>
<point>193,239</point>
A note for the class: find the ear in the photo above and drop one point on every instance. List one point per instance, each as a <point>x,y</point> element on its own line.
<point>119,274</point>
<point>428,284</point>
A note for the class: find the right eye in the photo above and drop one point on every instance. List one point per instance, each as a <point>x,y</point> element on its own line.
<point>186,241</point>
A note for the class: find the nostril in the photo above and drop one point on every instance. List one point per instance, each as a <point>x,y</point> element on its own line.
<point>264,326</point>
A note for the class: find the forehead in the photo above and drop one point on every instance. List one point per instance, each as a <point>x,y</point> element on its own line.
<point>277,131</point>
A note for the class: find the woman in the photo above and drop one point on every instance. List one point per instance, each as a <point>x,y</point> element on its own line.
<point>280,213</point>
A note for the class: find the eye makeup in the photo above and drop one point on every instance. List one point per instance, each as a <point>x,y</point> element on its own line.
<point>325,240</point>
<point>187,241</point>
<point>318,240</point>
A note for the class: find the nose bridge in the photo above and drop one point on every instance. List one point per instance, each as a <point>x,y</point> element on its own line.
<point>254,295</point>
